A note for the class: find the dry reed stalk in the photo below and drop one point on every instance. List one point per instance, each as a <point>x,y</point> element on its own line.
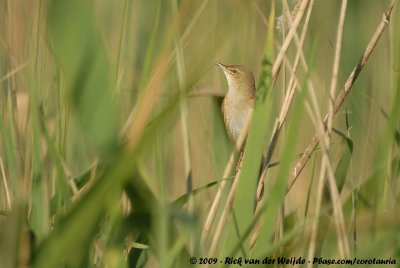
<point>342,95</point>
<point>293,83</point>
<point>275,72</point>
<point>343,243</point>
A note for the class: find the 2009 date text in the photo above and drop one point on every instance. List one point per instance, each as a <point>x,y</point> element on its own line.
<point>208,260</point>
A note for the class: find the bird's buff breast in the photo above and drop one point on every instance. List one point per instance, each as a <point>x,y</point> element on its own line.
<point>235,117</point>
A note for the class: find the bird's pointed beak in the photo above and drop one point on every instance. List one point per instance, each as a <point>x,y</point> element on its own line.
<point>220,65</point>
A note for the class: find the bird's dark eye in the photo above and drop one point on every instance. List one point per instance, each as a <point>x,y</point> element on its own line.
<point>234,71</point>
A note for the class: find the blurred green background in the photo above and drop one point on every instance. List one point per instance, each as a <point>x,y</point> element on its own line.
<point>105,106</point>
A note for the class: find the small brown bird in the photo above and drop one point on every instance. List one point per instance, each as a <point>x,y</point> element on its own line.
<point>239,101</point>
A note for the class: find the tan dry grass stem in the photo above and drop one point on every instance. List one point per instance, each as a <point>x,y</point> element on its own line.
<point>341,97</point>
<point>293,83</point>
<point>275,72</point>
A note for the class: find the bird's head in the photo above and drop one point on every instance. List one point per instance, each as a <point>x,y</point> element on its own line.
<point>239,78</point>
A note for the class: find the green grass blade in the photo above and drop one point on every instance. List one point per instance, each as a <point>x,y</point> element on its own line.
<point>79,51</point>
<point>256,142</point>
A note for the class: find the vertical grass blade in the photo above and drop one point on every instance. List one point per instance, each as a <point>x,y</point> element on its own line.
<point>78,48</point>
